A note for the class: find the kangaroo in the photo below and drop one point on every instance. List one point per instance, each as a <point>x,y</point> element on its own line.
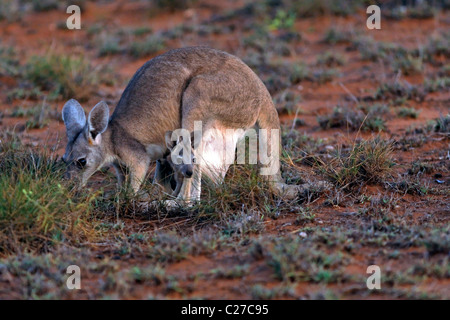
<point>172,91</point>
<point>175,170</point>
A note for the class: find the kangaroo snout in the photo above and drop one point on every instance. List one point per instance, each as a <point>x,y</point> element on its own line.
<point>188,172</point>
<point>67,174</point>
<point>71,172</point>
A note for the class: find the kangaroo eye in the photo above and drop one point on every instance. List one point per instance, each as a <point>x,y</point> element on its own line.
<point>81,163</point>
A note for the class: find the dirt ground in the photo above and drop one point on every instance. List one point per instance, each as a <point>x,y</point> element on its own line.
<point>318,248</point>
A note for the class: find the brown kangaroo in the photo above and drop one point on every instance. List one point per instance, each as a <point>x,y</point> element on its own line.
<point>172,91</point>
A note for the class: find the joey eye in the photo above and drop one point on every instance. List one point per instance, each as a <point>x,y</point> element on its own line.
<point>81,163</point>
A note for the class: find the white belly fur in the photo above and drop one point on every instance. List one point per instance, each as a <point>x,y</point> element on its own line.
<point>217,152</point>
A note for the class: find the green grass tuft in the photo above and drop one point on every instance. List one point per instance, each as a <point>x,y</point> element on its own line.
<point>37,210</point>
<point>367,162</point>
<point>64,75</point>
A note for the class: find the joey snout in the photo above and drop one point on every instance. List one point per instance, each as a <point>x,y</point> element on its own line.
<point>187,171</point>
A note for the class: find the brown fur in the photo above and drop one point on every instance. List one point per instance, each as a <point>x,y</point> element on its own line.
<point>169,92</point>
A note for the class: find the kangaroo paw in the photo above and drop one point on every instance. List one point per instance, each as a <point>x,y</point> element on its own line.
<point>285,191</point>
<point>172,204</point>
<point>176,204</point>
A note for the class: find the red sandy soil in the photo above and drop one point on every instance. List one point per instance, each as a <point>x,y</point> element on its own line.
<point>38,32</point>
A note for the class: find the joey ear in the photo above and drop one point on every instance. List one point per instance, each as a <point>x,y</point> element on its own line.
<point>195,135</point>
<point>98,119</point>
<point>73,117</point>
<point>192,140</point>
<point>169,143</point>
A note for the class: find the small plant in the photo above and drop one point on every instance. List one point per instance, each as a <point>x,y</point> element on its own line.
<point>40,115</point>
<point>438,46</point>
<point>371,50</point>
<point>287,102</point>
<point>408,185</point>
<point>141,31</point>
<point>366,162</point>
<point>291,260</point>
<point>173,5</point>
<point>169,247</point>
<point>367,48</point>
<point>330,59</point>
<point>397,13</point>
<point>312,8</point>
<point>325,75</point>
<point>109,46</point>
<point>260,292</point>
<point>398,89</point>
<point>95,28</point>
<point>341,117</point>
<point>407,143</point>
<point>375,124</point>
<point>64,75</point>
<point>233,273</point>
<point>257,39</point>
<point>243,223</point>
<point>305,215</point>
<point>44,5</point>
<point>24,94</point>
<point>438,242</point>
<point>300,72</point>
<point>151,45</point>
<point>442,124</point>
<point>420,167</point>
<point>408,113</point>
<point>11,10</point>
<point>364,118</point>
<point>422,12</point>
<point>334,36</point>
<point>150,275</point>
<point>408,64</point>
<point>10,141</point>
<point>282,21</point>
<point>438,84</point>
<point>9,64</point>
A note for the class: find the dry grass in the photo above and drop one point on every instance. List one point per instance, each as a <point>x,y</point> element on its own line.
<point>365,162</point>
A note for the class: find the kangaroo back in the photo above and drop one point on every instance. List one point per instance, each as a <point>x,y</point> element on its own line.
<point>151,103</point>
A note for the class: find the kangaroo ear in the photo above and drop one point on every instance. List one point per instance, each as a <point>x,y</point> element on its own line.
<point>169,143</point>
<point>73,117</point>
<point>98,119</point>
